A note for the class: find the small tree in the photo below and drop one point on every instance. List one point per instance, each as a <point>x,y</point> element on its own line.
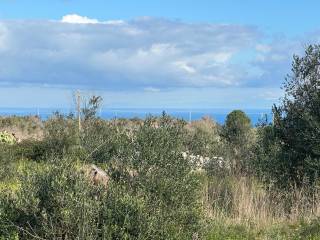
<point>237,131</point>
<point>91,107</point>
<point>297,119</point>
<point>237,127</point>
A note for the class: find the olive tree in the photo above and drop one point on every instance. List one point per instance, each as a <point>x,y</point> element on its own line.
<point>297,118</point>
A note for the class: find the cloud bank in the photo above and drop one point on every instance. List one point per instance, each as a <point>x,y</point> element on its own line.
<point>146,53</point>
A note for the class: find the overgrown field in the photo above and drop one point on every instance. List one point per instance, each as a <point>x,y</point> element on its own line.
<point>45,193</point>
<point>163,178</point>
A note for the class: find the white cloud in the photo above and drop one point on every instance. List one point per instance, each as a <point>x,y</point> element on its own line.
<point>163,49</point>
<point>185,67</point>
<point>74,18</point>
<point>3,37</point>
<point>264,48</point>
<point>138,54</point>
<point>151,89</point>
<point>115,22</point>
<point>222,57</point>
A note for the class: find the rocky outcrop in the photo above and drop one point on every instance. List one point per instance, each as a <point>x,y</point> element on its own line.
<point>97,176</point>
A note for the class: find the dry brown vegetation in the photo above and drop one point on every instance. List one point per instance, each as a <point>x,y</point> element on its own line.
<point>27,127</point>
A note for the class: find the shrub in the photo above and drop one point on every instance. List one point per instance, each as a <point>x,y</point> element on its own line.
<point>204,138</point>
<point>159,201</point>
<point>165,178</point>
<point>7,160</point>
<point>54,202</point>
<point>266,162</point>
<point>238,133</point>
<point>292,155</point>
<point>7,138</point>
<point>32,150</point>
<point>60,139</point>
<point>237,127</point>
<point>61,134</point>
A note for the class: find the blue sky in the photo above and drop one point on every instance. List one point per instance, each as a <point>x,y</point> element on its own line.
<point>289,17</point>
<point>177,53</point>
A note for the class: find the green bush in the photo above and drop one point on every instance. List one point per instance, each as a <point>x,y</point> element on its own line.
<point>240,137</point>
<point>237,127</point>
<point>7,160</point>
<point>165,178</point>
<point>309,230</point>
<point>54,202</point>
<point>289,149</point>
<point>203,138</point>
<point>61,135</point>
<point>7,138</point>
<point>60,139</point>
<point>105,142</point>
<point>32,150</point>
<point>159,201</point>
<point>266,162</point>
<point>152,151</point>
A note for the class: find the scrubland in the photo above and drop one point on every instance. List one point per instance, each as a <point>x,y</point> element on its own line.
<point>164,178</point>
<point>46,195</point>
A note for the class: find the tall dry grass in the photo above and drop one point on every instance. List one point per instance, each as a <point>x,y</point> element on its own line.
<point>246,201</point>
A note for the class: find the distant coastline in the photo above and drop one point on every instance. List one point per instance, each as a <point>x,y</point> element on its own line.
<point>218,114</point>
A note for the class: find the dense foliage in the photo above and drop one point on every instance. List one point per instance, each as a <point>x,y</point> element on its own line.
<point>290,148</point>
<point>239,135</point>
<point>56,201</point>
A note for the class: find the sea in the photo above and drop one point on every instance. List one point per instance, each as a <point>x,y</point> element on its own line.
<point>219,115</point>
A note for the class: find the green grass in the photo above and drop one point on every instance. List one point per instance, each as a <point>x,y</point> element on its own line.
<point>302,230</point>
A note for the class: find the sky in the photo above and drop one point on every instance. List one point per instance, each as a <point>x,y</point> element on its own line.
<point>151,54</point>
